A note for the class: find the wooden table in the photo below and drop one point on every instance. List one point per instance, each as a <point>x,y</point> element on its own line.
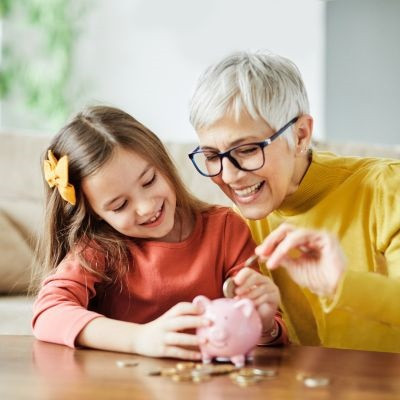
<point>30,369</point>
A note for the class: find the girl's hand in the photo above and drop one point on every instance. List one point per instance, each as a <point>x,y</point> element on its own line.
<point>163,337</point>
<point>312,258</point>
<point>262,291</point>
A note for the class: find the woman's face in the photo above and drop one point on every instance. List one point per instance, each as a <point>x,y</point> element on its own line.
<point>133,197</point>
<point>259,192</point>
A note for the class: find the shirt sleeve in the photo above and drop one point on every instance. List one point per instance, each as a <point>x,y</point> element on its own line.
<point>375,294</point>
<point>60,310</point>
<point>238,244</point>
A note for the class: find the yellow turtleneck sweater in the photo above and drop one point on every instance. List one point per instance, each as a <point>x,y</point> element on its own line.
<point>358,200</point>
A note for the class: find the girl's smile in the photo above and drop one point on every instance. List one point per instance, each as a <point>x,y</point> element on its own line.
<point>156,220</point>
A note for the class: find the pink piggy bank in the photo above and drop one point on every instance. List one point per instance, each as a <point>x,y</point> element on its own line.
<point>235,330</point>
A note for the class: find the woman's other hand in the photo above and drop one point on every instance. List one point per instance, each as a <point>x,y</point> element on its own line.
<point>313,258</point>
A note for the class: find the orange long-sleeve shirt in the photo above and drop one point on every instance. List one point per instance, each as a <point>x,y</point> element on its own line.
<point>162,275</point>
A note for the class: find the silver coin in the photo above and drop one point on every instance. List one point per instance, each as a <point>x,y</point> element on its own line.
<point>314,381</point>
<point>229,288</point>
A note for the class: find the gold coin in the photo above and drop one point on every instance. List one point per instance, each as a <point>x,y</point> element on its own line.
<point>156,372</point>
<point>199,375</point>
<point>223,369</point>
<point>182,366</point>
<point>249,262</point>
<point>168,371</point>
<point>265,372</point>
<point>126,363</point>
<point>229,288</point>
<point>204,368</point>
<point>246,372</point>
<point>244,380</point>
<point>181,377</point>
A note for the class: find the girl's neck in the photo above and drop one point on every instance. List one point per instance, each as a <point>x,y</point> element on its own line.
<point>185,224</point>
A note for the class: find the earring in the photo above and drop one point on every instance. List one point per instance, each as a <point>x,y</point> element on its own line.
<point>303,150</point>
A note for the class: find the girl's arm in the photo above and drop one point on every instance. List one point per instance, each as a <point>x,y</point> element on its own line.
<point>159,338</point>
<point>61,316</point>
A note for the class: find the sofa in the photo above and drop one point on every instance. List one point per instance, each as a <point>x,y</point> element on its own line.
<point>21,200</point>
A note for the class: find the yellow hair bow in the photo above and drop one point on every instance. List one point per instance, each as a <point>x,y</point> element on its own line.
<point>56,174</point>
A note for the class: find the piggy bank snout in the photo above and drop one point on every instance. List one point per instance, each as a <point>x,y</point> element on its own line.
<point>218,333</point>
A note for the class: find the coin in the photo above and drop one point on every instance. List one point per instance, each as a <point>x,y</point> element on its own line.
<point>200,375</point>
<point>313,381</point>
<point>223,369</point>
<point>156,372</point>
<point>229,288</point>
<point>126,363</point>
<point>168,371</point>
<point>316,381</point>
<point>264,372</point>
<point>245,378</point>
<point>182,376</point>
<point>250,260</point>
<point>185,366</point>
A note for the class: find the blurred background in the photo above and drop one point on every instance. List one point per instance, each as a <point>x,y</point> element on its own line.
<point>146,55</point>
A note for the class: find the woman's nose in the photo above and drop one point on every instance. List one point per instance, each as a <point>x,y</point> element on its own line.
<point>229,172</point>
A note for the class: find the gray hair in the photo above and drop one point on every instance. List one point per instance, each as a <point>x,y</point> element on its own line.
<point>266,85</point>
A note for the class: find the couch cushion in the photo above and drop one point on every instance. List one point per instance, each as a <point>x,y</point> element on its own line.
<point>15,260</point>
<point>16,315</point>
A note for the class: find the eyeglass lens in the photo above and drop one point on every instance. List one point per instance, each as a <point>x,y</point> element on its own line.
<point>248,156</point>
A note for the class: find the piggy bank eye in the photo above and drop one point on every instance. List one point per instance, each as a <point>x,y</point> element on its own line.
<point>226,318</point>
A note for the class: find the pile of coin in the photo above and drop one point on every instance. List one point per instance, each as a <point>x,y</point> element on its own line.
<point>250,376</point>
<point>197,373</point>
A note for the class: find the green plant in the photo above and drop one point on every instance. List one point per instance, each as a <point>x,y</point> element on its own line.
<point>38,69</point>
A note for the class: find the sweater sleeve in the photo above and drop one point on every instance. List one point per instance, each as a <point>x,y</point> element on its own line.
<point>60,310</point>
<point>375,293</point>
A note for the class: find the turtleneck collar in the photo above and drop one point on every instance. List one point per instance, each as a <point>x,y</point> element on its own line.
<point>317,180</point>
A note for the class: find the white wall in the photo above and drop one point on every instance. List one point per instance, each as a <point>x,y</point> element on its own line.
<point>145,55</point>
<point>363,71</point>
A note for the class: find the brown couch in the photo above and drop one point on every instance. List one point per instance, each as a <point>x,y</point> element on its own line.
<point>21,212</point>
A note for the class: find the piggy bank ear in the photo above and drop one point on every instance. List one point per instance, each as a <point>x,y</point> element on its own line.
<point>201,302</point>
<point>246,306</point>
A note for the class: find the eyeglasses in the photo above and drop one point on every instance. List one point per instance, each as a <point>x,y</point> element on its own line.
<point>246,157</point>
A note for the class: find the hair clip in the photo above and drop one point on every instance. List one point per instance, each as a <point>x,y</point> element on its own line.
<point>56,174</point>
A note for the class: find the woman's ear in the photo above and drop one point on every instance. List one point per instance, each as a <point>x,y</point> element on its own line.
<point>303,133</point>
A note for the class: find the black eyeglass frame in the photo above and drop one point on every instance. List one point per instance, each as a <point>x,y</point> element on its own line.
<point>228,155</point>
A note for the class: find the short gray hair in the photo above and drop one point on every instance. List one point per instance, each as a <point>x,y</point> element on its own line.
<point>266,85</point>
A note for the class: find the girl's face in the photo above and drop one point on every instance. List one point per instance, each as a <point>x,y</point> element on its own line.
<point>259,192</point>
<point>133,197</point>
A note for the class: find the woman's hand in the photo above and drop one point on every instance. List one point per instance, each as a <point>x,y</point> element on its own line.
<point>262,291</point>
<point>312,258</point>
<point>163,337</point>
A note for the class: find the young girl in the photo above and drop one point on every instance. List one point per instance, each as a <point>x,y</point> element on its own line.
<point>126,248</point>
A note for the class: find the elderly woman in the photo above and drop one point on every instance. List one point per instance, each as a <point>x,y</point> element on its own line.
<point>252,117</point>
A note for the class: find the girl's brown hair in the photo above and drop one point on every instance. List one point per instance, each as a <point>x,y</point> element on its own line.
<point>89,141</point>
